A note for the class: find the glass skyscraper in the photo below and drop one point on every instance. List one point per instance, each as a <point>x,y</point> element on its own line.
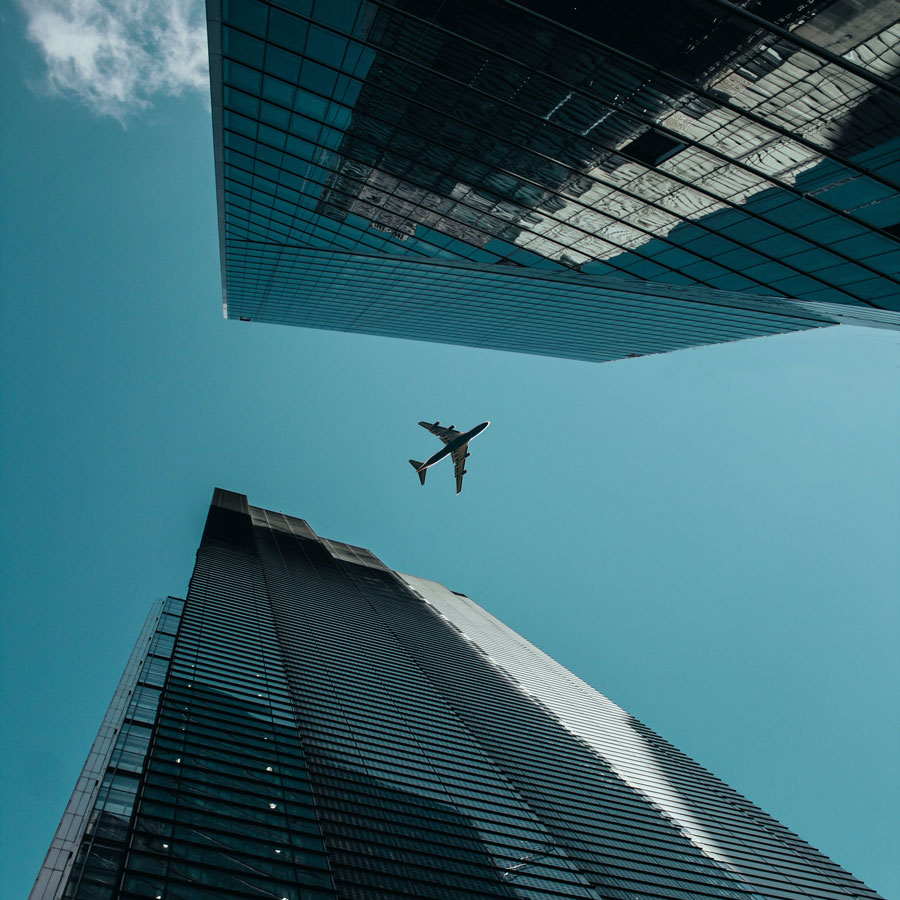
<point>591,180</point>
<point>309,724</point>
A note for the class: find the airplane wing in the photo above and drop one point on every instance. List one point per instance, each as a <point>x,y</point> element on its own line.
<point>445,434</point>
<point>459,464</point>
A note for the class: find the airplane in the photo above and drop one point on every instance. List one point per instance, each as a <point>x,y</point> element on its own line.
<point>456,445</point>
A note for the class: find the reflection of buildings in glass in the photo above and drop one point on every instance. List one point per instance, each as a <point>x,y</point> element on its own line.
<point>708,144</point>
<point>835,109</point>
<point>602,146</point>
<point>311,724</point>
<point>397,207</point>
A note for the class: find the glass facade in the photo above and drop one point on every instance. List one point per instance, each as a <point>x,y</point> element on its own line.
<point>595,181</point>
<point>310,724</point>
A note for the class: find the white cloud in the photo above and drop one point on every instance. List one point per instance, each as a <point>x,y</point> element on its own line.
<point>116,55</point>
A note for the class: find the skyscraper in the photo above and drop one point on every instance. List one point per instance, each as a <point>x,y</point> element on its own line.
<point>593,180</point>
<point>310,724</point>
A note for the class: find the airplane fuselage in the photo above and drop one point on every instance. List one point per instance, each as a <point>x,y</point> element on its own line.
<point>455,444</point>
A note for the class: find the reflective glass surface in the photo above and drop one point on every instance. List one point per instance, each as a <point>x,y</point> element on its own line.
<point>323,727</point>
<point>697,146</point>
<point>96,871</point>
<point>328,728</point>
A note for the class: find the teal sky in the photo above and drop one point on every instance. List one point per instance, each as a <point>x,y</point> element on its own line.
<point>708,537</point>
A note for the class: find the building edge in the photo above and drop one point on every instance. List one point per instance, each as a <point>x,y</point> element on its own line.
<point>216,88</point>
<point>57,866</point>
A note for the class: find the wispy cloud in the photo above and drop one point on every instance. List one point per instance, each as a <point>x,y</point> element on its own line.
<point>117,55</point>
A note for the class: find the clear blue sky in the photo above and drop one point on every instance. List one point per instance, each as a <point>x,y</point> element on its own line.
<point>708,537</point>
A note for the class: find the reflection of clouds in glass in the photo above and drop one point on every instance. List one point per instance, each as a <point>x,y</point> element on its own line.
<point>115,55</point>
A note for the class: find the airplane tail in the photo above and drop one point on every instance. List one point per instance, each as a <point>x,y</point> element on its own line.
<point>419,470</point>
